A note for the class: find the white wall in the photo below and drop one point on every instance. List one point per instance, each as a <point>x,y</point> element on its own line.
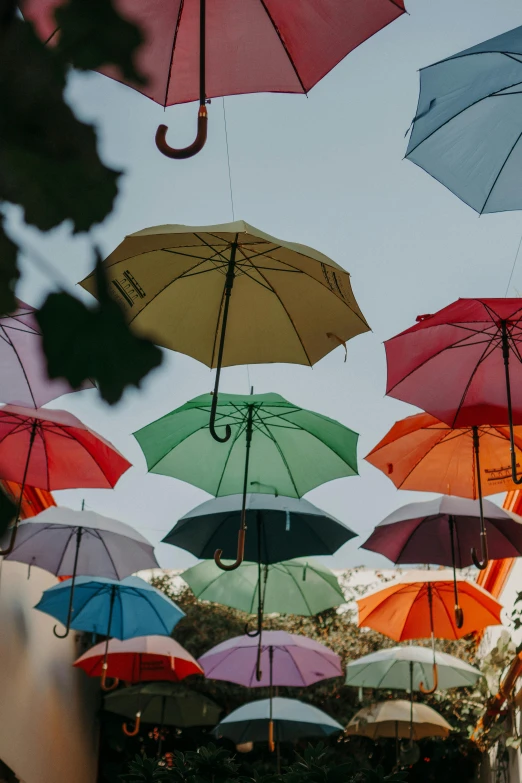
<point>48,726</point>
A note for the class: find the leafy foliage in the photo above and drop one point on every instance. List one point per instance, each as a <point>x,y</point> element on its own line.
<point>81,343</point>
<point>145,770</point>
<point>93,34</point>
<point>9,273</point>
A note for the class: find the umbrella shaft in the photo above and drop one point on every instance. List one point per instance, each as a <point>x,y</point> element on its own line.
<point>505,354</point>
<point>202,52</point>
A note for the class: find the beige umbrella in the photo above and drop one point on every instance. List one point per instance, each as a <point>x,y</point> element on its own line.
<point>399,719</point>
<point>187,288</point>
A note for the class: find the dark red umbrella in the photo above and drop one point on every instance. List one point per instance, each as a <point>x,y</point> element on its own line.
<point>201,49</point>
<point>52,449</point>
<point>464,366</point>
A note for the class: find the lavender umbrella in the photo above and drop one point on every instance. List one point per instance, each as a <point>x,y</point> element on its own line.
<point>286,659</point>
<point>293,660</point>
<point>442,531</point>
<point>24,380</point>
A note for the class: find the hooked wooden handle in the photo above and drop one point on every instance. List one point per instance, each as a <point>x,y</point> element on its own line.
<point>135,730</point>
<point>240,553</point>
<point>103,680</point>
<point>459,616</point>
<point>271,743</point>
<point>187,152</point>
<point>435,682</point>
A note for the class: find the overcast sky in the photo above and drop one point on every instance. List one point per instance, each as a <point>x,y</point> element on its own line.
<point>327,171</point>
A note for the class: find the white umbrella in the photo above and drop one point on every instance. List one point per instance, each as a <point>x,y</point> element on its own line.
<point>398,718</point>
<point>408,668</point>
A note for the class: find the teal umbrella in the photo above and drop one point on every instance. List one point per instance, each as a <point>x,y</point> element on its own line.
<point>274,446</point>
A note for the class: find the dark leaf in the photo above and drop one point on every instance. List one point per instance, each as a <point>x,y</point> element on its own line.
<point>7,511</point>
<point>49,164</point>
<point>9,272</point>
<point>82,343</point>
<point>93,34</point>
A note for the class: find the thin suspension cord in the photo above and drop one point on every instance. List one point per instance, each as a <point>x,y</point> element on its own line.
<point>514,265</point>
<point>228,162</point>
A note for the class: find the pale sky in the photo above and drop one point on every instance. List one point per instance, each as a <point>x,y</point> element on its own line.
<point>326,171</point>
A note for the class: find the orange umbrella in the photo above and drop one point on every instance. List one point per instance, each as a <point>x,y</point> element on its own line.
<point>422,453</point>
<point>420,605</point>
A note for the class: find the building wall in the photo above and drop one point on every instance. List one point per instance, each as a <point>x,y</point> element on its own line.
<point>48,725</point>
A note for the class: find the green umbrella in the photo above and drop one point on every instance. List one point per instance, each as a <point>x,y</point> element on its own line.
<point>164,704</point>
<point>275,446</point>
<point>300,586</point>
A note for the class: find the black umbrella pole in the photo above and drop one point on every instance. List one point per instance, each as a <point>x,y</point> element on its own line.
<point>242,530</point>
<point>229,283</point>
<point>481,564</point>
<point>103,681</point>
<point>505,354</point>
<point>459,614</point>
<point>5,552</point>
<point>201,137</point>
<point>71,594</point>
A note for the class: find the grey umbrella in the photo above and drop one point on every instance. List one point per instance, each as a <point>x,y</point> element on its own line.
<point>68,542</point>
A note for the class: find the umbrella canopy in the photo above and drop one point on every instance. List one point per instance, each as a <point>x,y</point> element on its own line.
<point>420,604</point>
<point>289,303</point>
<point>422,453</point>
<point>300,586</point>
<point>255,47</point>
<point>281,528</point>
<point>271,443</point>
<point>292,450</point>
<point>286,659</point>
<point>292,720</point>
<point>64,542</point>
<point>442,531</point>
<point>468,127</point>
<point>401,667</point>
<point>55,450</point>
<point>141,659</point>
<point>24,380</point>
<point>398,719</point>
<point>124,609</point>
<point>164,703</point>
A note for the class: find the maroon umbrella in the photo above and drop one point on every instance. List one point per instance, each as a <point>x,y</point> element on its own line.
<point>442,532</point>
<point>196,50</point>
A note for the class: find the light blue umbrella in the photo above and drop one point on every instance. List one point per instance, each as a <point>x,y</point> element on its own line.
<point>467,132</point>
<point>291,720</point>
<point>124,609</point>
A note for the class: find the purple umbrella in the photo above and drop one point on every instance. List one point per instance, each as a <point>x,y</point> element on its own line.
<point>442,531</point>
<point>286,659</point>
<point>24,380</point>
<point>293,660</point>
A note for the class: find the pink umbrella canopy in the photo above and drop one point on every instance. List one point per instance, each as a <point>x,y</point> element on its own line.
<point>142,659</point>
<point>23,380</point>
<point>52,449</point>
<point>286,659</point>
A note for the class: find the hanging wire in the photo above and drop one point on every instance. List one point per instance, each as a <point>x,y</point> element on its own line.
<point>228,162</point>
<point>514,265</point>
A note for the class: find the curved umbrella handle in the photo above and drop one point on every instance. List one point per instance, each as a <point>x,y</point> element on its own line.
<point>459,616</point>
<point>103,680</point>
<point>481,564</point>
<point>252,634</point>
<point>240,553</point>
<point>187,152</point>
<point>132,732</point>
<point>435,682</point>
<point>14,530</point>
<point>212,422</point>
<point>62,635</point>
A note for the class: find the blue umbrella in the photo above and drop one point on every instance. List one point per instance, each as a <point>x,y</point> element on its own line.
<point>124,609</point>
<point>467,132</point>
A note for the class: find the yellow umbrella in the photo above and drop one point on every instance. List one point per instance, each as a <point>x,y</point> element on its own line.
<point>187,288</point>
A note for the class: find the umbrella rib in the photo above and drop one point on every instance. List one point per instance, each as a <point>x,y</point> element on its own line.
<point>424,456</point>
<point>171,61</point>
<point>471,377</point>
<point>72,531</point>
<point>283,44</point>
<point>475,103</point>
<point>270,435</point>
<point>92,597</point>
<point>23,370</point>
<point>500,172</point>
<point>97,535</point>
<point>305,600</point>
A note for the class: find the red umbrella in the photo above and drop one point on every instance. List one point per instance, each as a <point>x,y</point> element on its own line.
<point>52,449</point>
<point>464,366</point>
<point>195,50</point>
<point>142,659</point>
